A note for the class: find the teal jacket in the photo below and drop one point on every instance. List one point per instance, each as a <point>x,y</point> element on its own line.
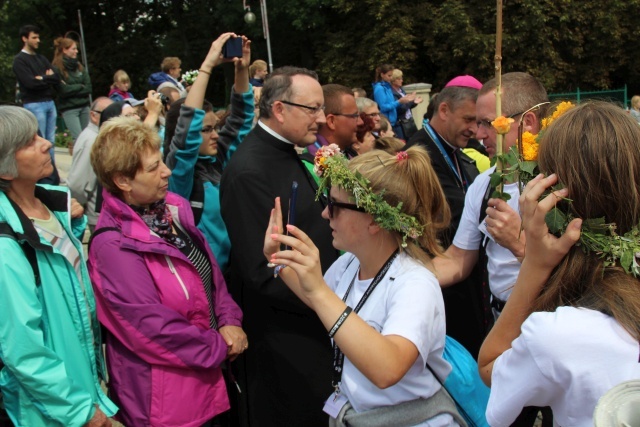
<point>197,178</point>
<point>49,334</point>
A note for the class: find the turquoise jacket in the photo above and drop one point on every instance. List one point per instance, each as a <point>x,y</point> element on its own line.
<point>197,178</point>
<point>49,334</point>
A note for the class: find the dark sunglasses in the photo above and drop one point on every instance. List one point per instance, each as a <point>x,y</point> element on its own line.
<point>331,204</point>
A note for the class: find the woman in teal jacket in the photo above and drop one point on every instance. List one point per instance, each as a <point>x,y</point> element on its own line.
<point>74,88</point>
<point>199,150</point>
<point>49,335</point>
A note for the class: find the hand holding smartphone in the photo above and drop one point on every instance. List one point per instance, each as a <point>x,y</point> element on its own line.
<point>291,219</point>
<point>232,48</point>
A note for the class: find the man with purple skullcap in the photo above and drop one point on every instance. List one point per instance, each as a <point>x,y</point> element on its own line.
<point>465,81</point>
<point>449,129</point>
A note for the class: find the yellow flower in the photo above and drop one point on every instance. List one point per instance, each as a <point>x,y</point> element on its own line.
<point>562,108</point>
<point>502,124</point>
<point>529,146</point>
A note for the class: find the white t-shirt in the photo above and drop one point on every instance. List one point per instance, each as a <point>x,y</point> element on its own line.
<point>565,359</point>
<point>407,302</point>
<point>503,267</point>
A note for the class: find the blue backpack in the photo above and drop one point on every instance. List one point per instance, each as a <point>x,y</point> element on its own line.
<point>464,384</point>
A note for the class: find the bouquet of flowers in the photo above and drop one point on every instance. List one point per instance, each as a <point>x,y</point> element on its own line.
<point>521,161</point>
<point>190,77</point>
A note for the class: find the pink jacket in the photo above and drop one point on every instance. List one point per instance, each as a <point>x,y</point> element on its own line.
<point>163,359</point>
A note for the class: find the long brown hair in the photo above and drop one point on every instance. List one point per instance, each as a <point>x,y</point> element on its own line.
<point>594,149</point>
<point>413,183</point>
<point>60,44</point>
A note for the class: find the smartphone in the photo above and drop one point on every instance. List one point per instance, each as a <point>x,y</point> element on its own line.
<point>232,48</point>
<point>291,217</point>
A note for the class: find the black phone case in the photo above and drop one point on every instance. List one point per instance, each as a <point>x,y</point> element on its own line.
<point>232,48</point>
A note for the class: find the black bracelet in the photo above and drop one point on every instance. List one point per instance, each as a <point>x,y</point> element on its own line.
<point>347,311</point>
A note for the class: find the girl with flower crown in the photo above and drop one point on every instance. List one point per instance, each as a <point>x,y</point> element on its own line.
<point>570,330</point>
<point>380,302</point>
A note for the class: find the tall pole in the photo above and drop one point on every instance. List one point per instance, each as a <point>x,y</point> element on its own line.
<point>265,31</point>
<point>498,66</point>
<point>83,48</point>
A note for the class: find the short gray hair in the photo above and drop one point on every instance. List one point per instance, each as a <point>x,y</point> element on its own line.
<point>363,103</point>
<point>454,96</point>
<point>278,87</point>
<point>18,127</point>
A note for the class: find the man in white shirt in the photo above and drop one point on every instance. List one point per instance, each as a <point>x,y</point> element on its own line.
<point>494,231</point>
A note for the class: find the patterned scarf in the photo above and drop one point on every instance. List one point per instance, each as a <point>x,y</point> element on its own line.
<point>158,218</point>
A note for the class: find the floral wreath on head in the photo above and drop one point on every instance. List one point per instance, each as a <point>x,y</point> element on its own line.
<point>332,168</point>
<point>596,235</point>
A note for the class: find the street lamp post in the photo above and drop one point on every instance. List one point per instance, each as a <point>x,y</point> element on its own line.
<point>250,18</point>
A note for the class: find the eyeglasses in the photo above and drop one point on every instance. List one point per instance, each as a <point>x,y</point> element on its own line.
<point>331,205</point>
<point>97,111</point>
<point>354,116</point>
<point>209,129</point>
<point>487,123</point>
<point>372,115</point>
<point>314,110</point>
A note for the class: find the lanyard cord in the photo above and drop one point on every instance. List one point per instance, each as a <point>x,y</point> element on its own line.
<point>455,169</point>
<point>338,355</point>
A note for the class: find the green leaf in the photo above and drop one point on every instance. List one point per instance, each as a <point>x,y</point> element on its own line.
<point>626,260</point>
<point>556,220</point>
<point>495,179</point>
<point>500,195</point>
<point>529,167</point>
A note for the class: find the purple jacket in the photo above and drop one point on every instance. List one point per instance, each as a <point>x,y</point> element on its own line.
<point>163,359</point>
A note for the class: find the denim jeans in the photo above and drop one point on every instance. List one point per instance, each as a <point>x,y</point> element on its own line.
<point>76,120</point>
<point>46,115</point>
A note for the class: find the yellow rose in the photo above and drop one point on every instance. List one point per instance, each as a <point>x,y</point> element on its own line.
<point>502,124</point>
<point>529,146</point>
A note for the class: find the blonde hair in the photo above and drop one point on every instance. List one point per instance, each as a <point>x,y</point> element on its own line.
<point>594,149</point>
<point>414,183</point>
<point>120,76</point>
<point>60,44</point>
<point>257,65</point>
<point>119,148</point>
<point>396,74</point>
<point>635,102</point>
<point>389,144</point>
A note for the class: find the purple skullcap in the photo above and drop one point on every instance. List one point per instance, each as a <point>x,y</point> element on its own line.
<point>465,81</point>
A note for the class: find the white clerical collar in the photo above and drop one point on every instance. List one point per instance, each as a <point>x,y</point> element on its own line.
<point>273,132</point>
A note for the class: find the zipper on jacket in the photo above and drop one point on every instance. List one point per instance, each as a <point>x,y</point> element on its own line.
<point>173,270</point>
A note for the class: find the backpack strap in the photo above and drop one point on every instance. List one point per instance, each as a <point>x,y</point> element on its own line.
<point>98,232</point>
<point>483,261</point>
<point>29,251</point>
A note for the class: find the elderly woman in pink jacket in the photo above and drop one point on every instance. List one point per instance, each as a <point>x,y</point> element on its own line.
<point>160,294</point>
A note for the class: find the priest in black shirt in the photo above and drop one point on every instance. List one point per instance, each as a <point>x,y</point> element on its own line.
<point>286,373</point>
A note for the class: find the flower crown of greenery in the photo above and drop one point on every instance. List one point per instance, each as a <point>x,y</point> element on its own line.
<point>596,235</point>
<point>190,77</point>
<point>332,168</point>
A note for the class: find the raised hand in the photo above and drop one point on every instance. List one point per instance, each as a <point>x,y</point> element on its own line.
<point>544,251</point>
<point>245,61</point>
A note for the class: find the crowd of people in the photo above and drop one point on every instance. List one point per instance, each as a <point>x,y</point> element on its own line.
<point>303,259</point>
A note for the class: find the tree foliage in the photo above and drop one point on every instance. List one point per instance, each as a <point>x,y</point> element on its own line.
<point>565,43</point>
